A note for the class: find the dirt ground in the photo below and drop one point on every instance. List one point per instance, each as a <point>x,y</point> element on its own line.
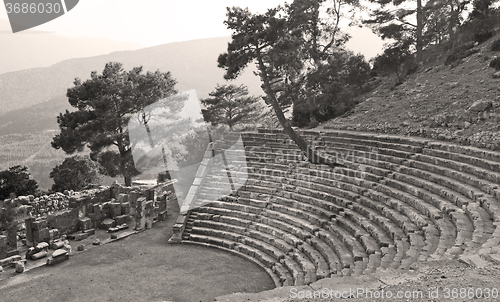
<point>141,267</point>
<point>432,281</point>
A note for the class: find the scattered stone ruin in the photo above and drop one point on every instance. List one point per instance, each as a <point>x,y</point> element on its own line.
<point>76,215</point>
<point>395,202</point>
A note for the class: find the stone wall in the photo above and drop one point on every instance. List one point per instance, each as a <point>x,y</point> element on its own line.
<point>46,218</point>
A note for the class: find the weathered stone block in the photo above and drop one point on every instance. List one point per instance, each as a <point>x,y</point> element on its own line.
<point>84,224</point>
<point>108,223</point>
<point>9,260</point>
<point>57,245</point>
<point>80,236</point>
<point>41,236</point>
<point>42,246</point>
<point>39,255</point>
<point>90,232</point>
<point>122,219</point>
<point>115,209</point>
<point>150,194</point>
<point>122,198</point>
<point>19,267</point>
<point>125,208</point>
<point>162,216</point>
<point>39,224</point>
<point>65,221</point>
<point>54,234</point>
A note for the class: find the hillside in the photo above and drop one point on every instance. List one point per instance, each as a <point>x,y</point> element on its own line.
<point>459,102</point>
<point>192,63</point>
<point>34,48</point>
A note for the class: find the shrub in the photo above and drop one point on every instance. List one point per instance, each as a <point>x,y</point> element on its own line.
<point>16,180</point>
<point>461,52</point>
<point>495,46</point>
<point>483,36</point>
<point>75,173</point>
<point>495,63</point>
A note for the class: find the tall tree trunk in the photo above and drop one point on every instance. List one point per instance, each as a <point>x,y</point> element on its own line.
<point>420,22</point>
<point>313,156</point>
<point>128,181</point>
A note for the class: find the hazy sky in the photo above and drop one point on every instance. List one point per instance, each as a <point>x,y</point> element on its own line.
<point>154,22</point>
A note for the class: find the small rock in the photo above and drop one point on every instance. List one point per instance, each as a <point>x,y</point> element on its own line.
<point>81,247</point>
<point>1,269</point>
<point>113,236</point>
<point>480,105</point>
<point>496,75</point>
<point>19,267</point>
<point>96,242</point>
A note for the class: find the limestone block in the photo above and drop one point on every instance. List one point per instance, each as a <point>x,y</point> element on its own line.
<point>150,194</point>
<point>39,255</point>
<point>84,224</point>
<point>39,224</point>
<point>122,219</point>
<point>125,208</point>
<point>122,198</point>
<point>59,253</point>
<point>57,245</point>
<point>19,267</point>
<point>80,236</point>
<point>108,223</point>
<point>41,235</point>
<point>9,260</point>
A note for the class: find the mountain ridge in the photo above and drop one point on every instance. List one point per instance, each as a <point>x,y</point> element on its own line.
<point>192,63</point>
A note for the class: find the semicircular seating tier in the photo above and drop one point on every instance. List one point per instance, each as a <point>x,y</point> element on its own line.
<point>395,202</point>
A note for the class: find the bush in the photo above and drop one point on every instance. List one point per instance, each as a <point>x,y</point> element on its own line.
<point>483,36</point>
<point>495,63</point>
<point>16,180</point>
<point>461,52</point>
<point>75,173</point>
<point>495,46</point>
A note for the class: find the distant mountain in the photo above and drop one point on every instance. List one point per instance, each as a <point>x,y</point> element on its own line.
<point>192,63</point>
<point>36,118</point>
<point>33,48</point>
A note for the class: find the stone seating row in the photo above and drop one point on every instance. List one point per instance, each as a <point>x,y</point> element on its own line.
<point>473,211</point>
<point>273,246</point>
<point>273,192</point>
<point>375,231</point>
<point>420,203</point>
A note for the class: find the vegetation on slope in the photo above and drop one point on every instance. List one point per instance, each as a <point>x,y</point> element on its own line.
<point>456,102</point>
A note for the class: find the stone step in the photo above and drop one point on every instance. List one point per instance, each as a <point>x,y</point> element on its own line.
<point>397,139</point>
<point>341,250</point>
<point>357,250</point>
<point>295,270</point>
<point>300,213</point>
<point>471,160</point>
<point>216,233</point>
<point>220,226</point>
<point>328,253</point>
<point>283,274</point>
<point>286,226</point>
<point>452,196</point>
<point>291,239</point>
<point>465,150</point>
<point>262,246</point>
<point>295,221</point>
<point>282,245</point>
<point>464,168</point>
